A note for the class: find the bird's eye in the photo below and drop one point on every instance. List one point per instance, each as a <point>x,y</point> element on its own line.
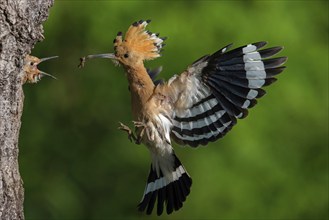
<point>125,55</point>
<point>31,63</point>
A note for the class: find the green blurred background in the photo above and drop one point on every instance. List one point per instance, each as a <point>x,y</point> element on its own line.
<point>273,165</point>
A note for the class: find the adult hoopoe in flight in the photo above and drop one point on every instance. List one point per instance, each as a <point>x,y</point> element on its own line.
<point>194,108</point>
<point>31,71</point>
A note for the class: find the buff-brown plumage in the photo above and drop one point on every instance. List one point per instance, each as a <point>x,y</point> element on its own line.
<point>31,72</point>
<point>194,108</point>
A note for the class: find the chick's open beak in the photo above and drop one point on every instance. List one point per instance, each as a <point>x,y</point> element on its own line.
<point>44,73</point>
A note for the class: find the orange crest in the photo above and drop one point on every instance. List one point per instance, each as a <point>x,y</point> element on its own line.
<point>141,42</point>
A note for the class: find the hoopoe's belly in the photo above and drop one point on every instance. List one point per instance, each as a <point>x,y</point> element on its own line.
<point>156,134</point>
<point>156,137</point>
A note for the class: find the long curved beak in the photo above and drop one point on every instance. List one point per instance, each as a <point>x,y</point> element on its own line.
<point>47,58</point>
<point>104,55</point>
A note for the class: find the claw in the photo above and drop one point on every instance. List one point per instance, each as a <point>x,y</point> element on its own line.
<point>139,124</point>
<point>131,136</point>
<point>125,128</point>
<point>142,125</point>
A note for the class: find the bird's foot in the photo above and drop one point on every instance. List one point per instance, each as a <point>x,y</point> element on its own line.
<point>131,136</point>
<point>139,124</point>
<point>125,128</point>
<point>142,126</point>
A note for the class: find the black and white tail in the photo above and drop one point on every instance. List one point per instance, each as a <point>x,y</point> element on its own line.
<point>171,189</point>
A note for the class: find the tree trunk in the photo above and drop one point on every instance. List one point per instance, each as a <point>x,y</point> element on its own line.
<point>20,28</point>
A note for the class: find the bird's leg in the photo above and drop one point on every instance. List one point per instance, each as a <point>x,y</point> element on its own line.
<point>125,128</point>
<point>139,124</point>
<point>131,136</point>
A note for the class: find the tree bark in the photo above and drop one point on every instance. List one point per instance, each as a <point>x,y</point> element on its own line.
<point>20,28</point>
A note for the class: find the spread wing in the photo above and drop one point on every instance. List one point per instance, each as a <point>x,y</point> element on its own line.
<point>218,89</point>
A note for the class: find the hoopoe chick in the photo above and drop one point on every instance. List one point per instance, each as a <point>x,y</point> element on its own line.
<point>194,108</point>
<point>31,71</point>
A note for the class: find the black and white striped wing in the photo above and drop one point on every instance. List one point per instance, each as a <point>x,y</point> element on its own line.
<point>227,84</point>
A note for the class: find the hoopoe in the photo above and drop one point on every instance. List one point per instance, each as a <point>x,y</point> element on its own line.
<point>31,71</point>
<point>194,108</point>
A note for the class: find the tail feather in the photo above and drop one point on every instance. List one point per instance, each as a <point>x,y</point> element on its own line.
<point>169,190</point>
<point>161,198</point>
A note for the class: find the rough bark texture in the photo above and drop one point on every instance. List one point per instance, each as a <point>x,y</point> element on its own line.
<point>20,28</point>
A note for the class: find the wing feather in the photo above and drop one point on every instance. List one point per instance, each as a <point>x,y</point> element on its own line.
<point>218,89</point>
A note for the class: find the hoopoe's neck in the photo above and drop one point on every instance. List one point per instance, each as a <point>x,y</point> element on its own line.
<point>141,88</point>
